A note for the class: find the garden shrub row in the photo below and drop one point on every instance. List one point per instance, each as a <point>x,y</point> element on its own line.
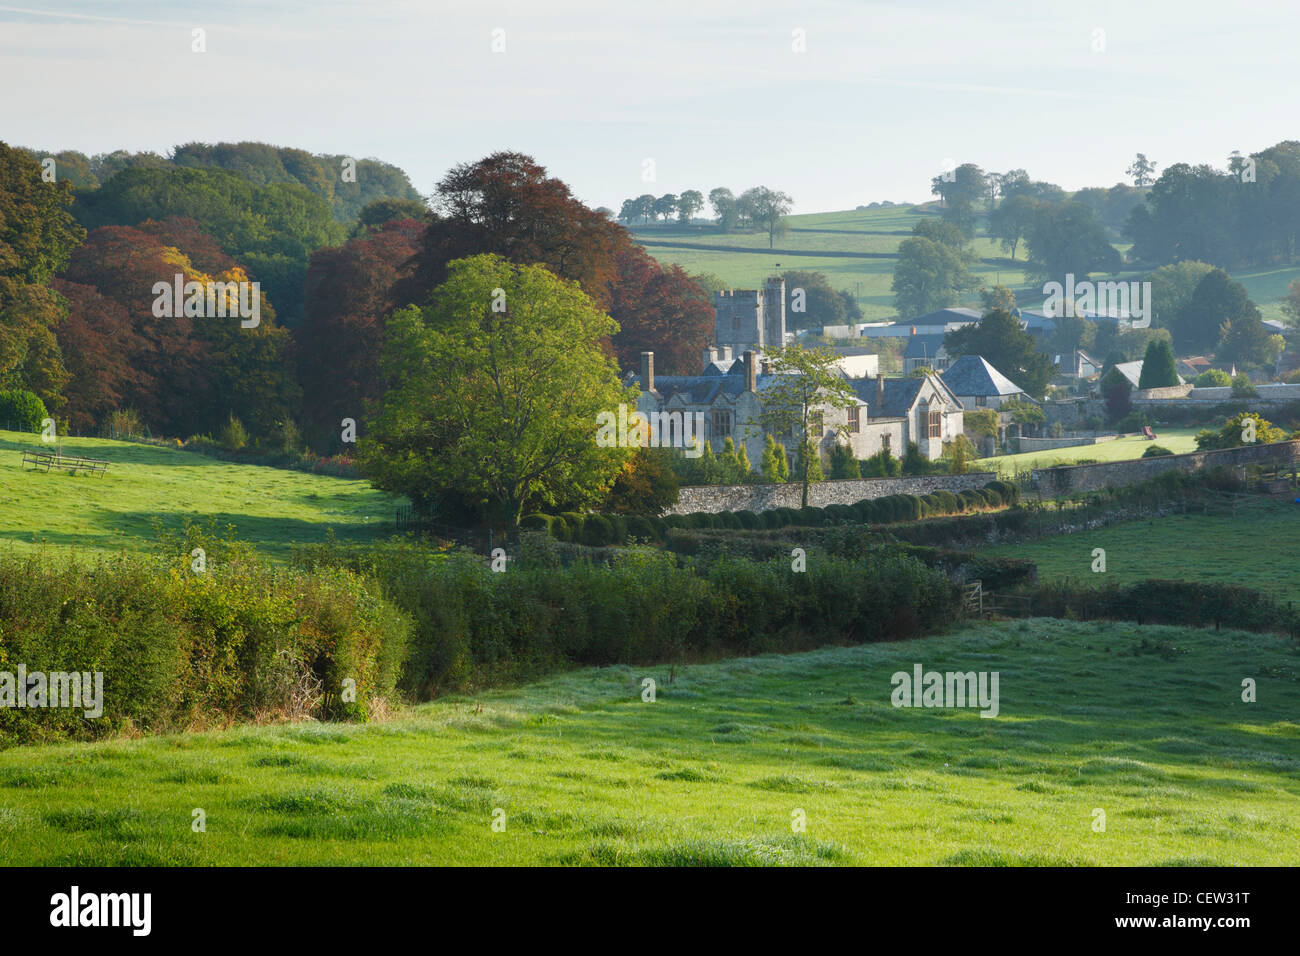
<point>597,530</point>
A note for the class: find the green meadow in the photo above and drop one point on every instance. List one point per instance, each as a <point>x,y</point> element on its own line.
<point>1257,547</point>
<point>272,509</point>
<point>1143,725</point>
<point>857,250</point>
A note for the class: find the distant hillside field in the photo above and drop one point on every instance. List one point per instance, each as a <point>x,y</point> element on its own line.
<point>857,249</point>
<point>271,508</point>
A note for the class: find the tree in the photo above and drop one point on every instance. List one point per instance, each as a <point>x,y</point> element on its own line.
<point>646,484</point>
<point>928,276</point>
<point>1116,391</point>
<point>665,207</point>
<point>341,337</point>
<point>767,209</point>
<point>1158,367</point>
<point>811,302</point>
<point>506,204</point>
<point>843,464</point>
<point>1248,343</point>
<point>808,382</point>
<point>1011,221</point>
<point>1008,348</point>
<point>1216,303</point>
<point>1213,378</point>
<point>1065,238</point>
<point>725,208</point>
<point>997,297</point>
<point>1142,170</point>
<point>383,211</point>
<point>1291,303</point>
<point>773,465</point>
<point>659,309</point>
<point>1172,287</point>
<point>688,204</point>
<point>496,400</point>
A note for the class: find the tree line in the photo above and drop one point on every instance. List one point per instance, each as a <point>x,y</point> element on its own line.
<point>756,208</point>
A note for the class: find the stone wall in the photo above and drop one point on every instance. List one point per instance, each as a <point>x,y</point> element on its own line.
<point>1073,479</point>
<point>716,498</point>
<point>1067,441</point>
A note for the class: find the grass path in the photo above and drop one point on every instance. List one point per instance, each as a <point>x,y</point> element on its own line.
<point>1145,724</point>
<point>271,508</point>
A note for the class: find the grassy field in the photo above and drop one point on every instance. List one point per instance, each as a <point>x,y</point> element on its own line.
<point>1145,724</point>
<point>857,251</point>
<point>272,509</point>
<point>1258,547</point>
<point>1177,440</point>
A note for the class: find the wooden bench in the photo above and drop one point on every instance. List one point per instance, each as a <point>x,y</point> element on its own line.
<point>55,460</point>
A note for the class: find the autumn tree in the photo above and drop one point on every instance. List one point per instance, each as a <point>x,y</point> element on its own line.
<point>660,310</point>
<point>347,297</point>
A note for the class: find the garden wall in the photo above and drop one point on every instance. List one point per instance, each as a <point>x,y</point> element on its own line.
<point>1073,479</point>
<point>716,498</point>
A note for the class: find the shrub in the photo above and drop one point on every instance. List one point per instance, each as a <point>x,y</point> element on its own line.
<point>233,436</point>
<point>123,423</point>
<point>21,410</point>
<point>573,522</point>
<point>1243,387</point>
<point>597,531</point>
<point>748,519</point>
<point>1156,451</point>
<point>1132,422</point>
<point>641,528</point>
<point>536,522</point>
<point>1213,378</point>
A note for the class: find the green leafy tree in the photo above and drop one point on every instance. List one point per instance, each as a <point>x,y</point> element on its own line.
<point>843,464</point>
<point>1117,393</point>
<point>1217,302</point>
<point>767,209</point>
<point>1066,238</point>
<point>1159,370</point>
<point>495,395</point>
<point>1213,378</point>
<point>689,203</point>
<point>774,467</point>
<point>808,382</point>
<point>929,275</point>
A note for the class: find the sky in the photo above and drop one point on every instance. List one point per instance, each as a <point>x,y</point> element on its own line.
<point>836,103</point>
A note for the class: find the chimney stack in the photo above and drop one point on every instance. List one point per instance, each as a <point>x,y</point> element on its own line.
<point>880,395</point>
<point>648,371</point>
<point>710,356</point>
<point>751,371</point>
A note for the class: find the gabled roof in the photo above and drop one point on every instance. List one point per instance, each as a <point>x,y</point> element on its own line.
<point>973,375</point>
<point>900,395</point>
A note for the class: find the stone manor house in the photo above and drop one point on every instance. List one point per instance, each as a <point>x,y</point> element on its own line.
<point>889,413</point>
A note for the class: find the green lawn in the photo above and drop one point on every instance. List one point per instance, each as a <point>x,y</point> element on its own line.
<point>272,509</point>
<point>1145,724</point>
<point>1258,547</point>
<point>1177,440</point>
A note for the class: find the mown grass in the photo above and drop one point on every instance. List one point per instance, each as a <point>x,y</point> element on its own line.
<point>1258,547</point>
<point>272,509</point>
<point>1177,440</point>
<point>1146,724</point>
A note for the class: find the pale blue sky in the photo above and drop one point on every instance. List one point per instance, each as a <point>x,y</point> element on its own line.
<point>712,92</point>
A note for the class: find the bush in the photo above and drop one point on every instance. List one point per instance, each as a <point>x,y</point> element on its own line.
<point>748,519</point>
<point>1212,378</point>
<point>573,522</point>
<point>241,641</point>
<point>536,522</point>
<point>233,436</point>
<point>1156,451</point>
<point>21,410</point>
<point>597,531</point>
<point>641,528</point>
<point>1132,422</point>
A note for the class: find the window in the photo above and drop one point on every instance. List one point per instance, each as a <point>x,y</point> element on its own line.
<point>981,401</point>
<point>854,421</point>
<point>936,424</point>
<point>815,425</point>
<point>721,424</point>
<point>885,444</point>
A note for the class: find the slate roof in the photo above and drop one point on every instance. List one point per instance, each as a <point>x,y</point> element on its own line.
<point>973,375</point>
<point>945,316</point>
<point>923,346</point>
<point>900,394</point>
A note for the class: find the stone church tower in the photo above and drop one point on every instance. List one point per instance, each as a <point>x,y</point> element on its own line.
<point>750,318</point>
